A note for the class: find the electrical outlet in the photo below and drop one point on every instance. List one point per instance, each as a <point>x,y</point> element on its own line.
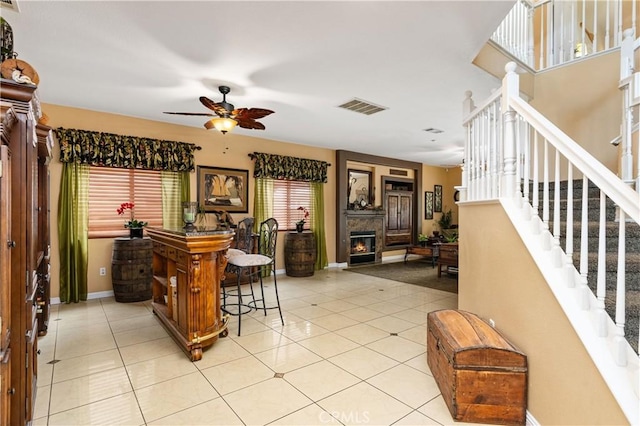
<point>103,271</point>
<point>492,323</point>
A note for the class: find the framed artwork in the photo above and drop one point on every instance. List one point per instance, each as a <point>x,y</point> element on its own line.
<point>437,198</point>
<point>223,189</point>
<point>428,205</point>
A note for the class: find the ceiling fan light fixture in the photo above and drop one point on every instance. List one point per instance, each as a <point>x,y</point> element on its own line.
<point>222,124</point>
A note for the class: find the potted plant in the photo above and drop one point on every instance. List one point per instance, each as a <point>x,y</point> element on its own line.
<point>134,225</point>
<point>423,239</point>
<point>446,225</point>
<point>305,215</point>
<point>446,219</point>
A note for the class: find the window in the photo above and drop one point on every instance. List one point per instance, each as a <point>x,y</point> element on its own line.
<point>110,187</point>
<point>288,195</point>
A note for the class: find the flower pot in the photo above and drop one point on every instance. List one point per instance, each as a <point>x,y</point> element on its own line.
<point>299,227</point>
<point>136,232</point>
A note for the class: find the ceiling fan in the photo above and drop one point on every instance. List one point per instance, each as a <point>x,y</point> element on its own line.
<point>226,117</point>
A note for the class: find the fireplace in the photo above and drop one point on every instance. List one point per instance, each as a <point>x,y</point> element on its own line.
<point>362,247</point>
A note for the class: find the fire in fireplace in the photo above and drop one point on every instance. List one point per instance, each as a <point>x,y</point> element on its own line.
<point>363,247</point>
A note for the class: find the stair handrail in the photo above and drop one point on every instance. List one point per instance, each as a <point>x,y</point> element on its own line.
<point>502,161</point>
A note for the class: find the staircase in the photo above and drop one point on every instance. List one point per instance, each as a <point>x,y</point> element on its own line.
<point>632,250</point>
<point>578,220</point>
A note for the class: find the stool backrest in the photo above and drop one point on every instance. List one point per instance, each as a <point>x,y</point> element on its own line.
<point>244,235</point>
<point>268,231</point>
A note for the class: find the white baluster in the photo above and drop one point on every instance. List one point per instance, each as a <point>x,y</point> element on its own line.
<point>607,30</point>
<point>545,194</point>
<point>584,260</point>
<point>542,37</point>
<point>536,183</point>
<point>557,250</point>
<point>601,284</point>
<point>569,229</point>
<point>621,356</point>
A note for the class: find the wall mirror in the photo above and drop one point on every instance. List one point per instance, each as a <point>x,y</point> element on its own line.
<point>358,189</point>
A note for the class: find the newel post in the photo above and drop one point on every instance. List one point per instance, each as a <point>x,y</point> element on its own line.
<point>467,106</point>
<point>510,88</point>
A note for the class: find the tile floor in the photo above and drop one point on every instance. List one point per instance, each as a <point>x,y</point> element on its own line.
<point>352,351</point>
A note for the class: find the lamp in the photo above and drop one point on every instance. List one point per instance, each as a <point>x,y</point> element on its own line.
<point>222,124</point>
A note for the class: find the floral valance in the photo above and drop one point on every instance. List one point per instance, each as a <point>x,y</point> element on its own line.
<point>129,152</point>
<point>289,168</point>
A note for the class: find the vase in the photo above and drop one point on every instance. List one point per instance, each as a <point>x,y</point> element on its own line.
<point>136,232</point>
<point>299,227</point>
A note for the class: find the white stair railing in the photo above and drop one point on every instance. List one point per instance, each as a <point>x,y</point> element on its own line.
<point>509,146</point>
<point>546,33</point>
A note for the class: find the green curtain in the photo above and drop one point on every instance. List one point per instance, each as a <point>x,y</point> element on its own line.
<point>175,189</point>
<point>73,231</point>
<point>262,201</point>
<point>262,208</point>
<point>317,225</point>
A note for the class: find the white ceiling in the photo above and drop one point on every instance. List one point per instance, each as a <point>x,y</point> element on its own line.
<point>301,59</point>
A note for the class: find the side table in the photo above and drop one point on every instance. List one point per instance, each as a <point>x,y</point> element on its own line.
<point>426,251</point>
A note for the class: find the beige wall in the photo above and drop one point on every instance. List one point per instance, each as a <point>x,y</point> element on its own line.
<point>448,178</point>
<point>504,284</point>
<point>589,108</point>
<point>218,150</point>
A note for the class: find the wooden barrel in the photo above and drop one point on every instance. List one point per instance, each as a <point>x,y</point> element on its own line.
<point>299,254</point>
<point>131,269</point>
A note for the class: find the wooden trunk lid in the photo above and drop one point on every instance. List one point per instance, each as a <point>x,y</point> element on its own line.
<point>470,343</point>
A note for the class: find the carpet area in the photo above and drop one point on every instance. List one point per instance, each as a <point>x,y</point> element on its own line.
<point>417,272</point>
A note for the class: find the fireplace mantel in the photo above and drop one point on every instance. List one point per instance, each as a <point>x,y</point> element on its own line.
<point>364,213</point>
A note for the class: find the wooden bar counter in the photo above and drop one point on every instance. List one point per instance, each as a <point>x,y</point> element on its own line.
<point>196,259</point>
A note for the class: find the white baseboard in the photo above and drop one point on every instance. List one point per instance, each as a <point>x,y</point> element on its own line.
<point>530,420</point>
<point>90,296</point>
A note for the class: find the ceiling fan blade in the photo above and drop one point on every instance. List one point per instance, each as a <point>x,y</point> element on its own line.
<point>204,114</point>
<point>217,107</point>
<point>249,123</point>
<point>251,113</point>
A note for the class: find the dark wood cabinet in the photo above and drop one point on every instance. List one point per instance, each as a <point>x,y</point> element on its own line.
<point>399,221</point>
<point>23,234</point>
<point>43,292</point>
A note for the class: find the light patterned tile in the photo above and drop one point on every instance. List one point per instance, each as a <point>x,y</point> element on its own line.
<point>334,322</point>
<point>406,385</point>
<point>117,410</point>
<point>214,412</point>
<point>362,333</point>
<point>169,397</point>
<point>363,362</point>
<point>287,358</point>
<point>328,345</point>
<point>237,374</point>
<point>312,380</point>
<point>364,404</point>
<point>88,389</point>
<point>397,348</point>
<point>146,373</point>
<point>85,365</point>
<point>266,401</point>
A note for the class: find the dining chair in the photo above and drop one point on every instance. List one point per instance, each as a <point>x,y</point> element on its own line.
<point>259,265</point>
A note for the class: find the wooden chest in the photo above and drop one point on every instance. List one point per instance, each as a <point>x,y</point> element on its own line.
<point>481,376</point>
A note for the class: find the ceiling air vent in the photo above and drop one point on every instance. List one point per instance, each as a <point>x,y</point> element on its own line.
<point>363,107</point>
<point>433,130</point>
<point>10,4</point>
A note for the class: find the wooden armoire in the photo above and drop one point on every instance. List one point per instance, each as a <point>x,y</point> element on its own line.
<point>24,247</point>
